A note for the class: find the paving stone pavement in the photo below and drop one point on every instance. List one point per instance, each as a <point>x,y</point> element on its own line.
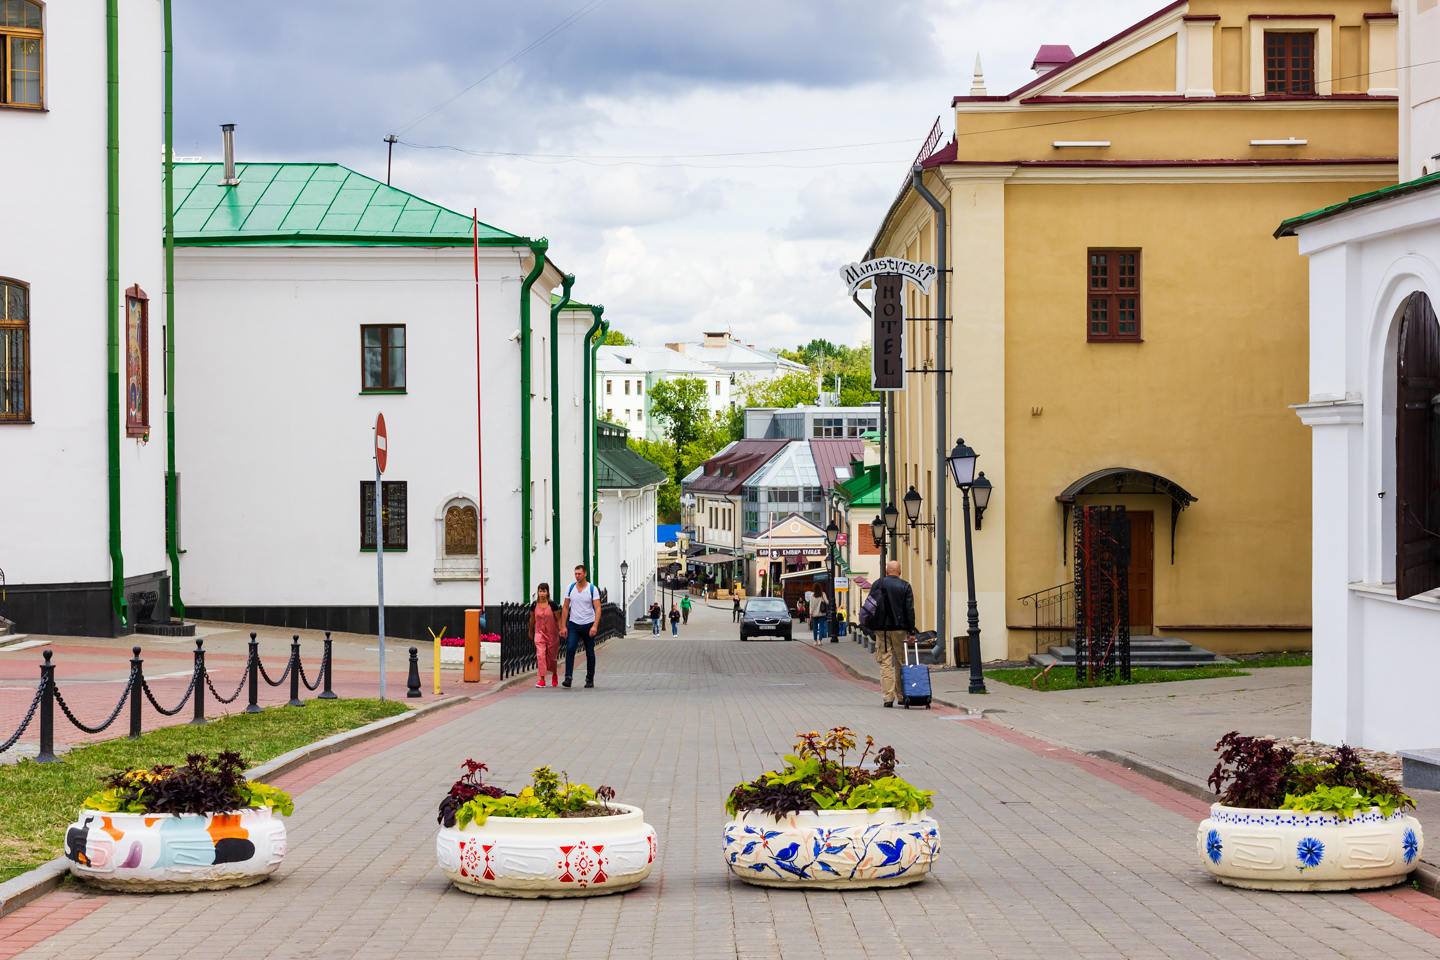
<point>1040,859</point>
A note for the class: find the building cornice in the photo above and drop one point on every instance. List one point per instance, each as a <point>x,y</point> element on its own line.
<point>1349,411</point>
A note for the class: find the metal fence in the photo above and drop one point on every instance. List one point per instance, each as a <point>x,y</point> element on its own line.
<point>517,647</point>
<point>1053,609</point>
<point>48,695</point>
<point>1102,597</point>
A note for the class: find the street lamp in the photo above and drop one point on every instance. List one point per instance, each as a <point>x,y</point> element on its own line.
<point>877,530</point>
<point>624,593</point>
<point>832,535</point>
<point>962,470</point>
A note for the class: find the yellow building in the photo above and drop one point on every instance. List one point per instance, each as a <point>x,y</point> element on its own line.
<point>1125,330</point>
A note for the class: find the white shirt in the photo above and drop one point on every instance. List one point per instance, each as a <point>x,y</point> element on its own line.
<point>582,603</point>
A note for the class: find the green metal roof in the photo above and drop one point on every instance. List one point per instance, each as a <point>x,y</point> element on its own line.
<point>1287,229</point>
<point>572,305</point>
<point>862,490</point>
<point>616,465</point>
<point>312,203</point>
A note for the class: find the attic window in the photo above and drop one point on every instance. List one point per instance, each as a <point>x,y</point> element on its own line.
<point>1289,63</point>
<point>842,473</point>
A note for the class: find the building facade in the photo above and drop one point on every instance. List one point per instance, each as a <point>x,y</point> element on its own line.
<point>740,360</point>
<point>1374,265</point>
<point>1125,331</point>
<point>84,439</point>
<point>626,487</point>
<point>627,374</point>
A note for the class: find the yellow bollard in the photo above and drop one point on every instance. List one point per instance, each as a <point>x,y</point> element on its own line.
<point>435,643</point>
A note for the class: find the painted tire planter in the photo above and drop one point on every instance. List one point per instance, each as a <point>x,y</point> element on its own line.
<point>163,852</point>
<point>832,849</point>
<point>549,856</point>
<point>1289,850</point>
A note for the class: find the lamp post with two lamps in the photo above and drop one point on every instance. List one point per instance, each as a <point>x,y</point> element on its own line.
<point>832,536</point>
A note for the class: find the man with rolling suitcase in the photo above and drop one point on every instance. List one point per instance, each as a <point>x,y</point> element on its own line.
<point>892,618</point>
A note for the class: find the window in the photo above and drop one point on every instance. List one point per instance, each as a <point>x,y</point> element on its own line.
<point>717,388</point>
<point>640,387</point>
<point>22,44</point>
<point>639,414</point>
<point>1113,296</point>
<point>14,352</point>
<point>392,514</point>
<point>608,384</point>
<point>1289,64</point>
<point>829,427</point>
<point>382,357</point>
<point>627,388</point>
<point>137,363</point>
<point>1417,450</point>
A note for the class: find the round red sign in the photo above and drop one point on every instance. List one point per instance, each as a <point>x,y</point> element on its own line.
<point>380,441</point>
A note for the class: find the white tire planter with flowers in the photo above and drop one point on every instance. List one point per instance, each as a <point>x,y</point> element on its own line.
<point>549,857</point>
<point>1264,849</point>
<point>832,849</point>
<point>171,852</point>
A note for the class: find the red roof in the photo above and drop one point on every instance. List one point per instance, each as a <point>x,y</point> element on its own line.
<point>728,471</point>
<point>830,453</point>
<point>1053,54</point>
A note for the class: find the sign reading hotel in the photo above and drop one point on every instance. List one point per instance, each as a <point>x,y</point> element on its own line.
<point>887,337</point>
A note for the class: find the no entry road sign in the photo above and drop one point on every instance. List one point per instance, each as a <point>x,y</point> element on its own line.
<point>380,442</point>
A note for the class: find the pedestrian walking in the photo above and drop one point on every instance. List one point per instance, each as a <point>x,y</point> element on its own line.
<point>894,623</point>
<point>545,629</point>
<point>685,609</point>
<point>822,619</point>
<point>674,620</point>
<point>655,619</point>
<point>581,614</point>
<point>735,610</point>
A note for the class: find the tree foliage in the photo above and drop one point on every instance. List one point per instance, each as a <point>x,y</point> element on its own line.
<point>706,435</point>
<point>617,339</point>
<point>851,365</point>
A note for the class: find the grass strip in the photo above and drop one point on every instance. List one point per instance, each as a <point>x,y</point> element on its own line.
<point>38,801</point>
<point>1063,677</point>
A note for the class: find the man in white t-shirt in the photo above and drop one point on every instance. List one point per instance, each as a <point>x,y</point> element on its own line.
<point>580,613</point>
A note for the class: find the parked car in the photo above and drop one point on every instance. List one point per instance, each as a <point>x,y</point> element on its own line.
<point>765,615</point>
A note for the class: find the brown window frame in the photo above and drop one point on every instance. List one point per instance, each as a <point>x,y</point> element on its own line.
<point>397,534</point>
<point>7,33</point>
<point>1283,60</point>
<point>386,378</point>
<point>138,426</point>
<point>22,325</point>
<point>1110,293</point>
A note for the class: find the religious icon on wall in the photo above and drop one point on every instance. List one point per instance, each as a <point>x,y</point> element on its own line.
<point>137,379</point>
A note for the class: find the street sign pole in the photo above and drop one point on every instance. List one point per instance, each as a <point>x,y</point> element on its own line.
<point>381,445</point>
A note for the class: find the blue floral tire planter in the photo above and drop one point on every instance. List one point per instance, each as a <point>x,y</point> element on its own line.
<point>832,849</point>
<point>1293,851</point>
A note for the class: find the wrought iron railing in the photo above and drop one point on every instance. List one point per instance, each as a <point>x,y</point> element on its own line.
<point>1102,597</point>
<point>1053,610</point>
<point>47,694</point>
<point>517,647</point>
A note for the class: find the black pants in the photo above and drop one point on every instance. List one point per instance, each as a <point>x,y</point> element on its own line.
<point>735,615</point>
<point>575,634</point>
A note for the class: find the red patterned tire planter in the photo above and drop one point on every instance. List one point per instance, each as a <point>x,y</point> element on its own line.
<point>549,857</point>
<point>168,852</point>
<point>832,849</point>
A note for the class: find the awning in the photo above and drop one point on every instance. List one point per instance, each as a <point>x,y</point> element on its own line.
<point>712,558</point>
<point>823,572</point>
<point>1123,480</point>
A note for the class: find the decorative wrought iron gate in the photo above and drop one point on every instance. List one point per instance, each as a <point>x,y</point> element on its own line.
<point>1102,593</point>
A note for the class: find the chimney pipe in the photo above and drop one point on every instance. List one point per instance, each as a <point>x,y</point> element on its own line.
<point>227,137</point>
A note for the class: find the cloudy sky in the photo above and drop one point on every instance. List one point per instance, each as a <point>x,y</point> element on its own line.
<point>697,165</point>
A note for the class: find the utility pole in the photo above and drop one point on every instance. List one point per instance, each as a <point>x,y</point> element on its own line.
<point>390,140</point>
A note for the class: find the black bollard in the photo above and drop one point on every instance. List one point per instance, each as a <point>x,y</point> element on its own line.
<point>327,693</point>
<point>137,683</point>
<point>198,718</point>
<point>295,700</point>
<point>47,711</point>
<point>414,682</point>
<point>254,667</point>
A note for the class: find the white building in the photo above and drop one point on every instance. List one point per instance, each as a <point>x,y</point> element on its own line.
<point>1375,428</point>
<point>83,388</point>
<point>740,360</point>
<point>626,374</point>
<point>314,298</point>
<point>626,487</point>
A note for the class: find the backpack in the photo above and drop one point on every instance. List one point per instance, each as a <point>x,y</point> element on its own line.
<point>870,610</point>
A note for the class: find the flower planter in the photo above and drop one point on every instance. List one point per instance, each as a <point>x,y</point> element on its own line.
<point>549,857</point>
<point>489,653</point>
<point>452,656</point>
<point>1289,850</point>
<point>832,849</point>
<point>162,852</point>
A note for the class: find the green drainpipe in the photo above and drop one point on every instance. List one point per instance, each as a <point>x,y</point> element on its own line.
<point>538,248</point>
<point>594,495</point>
<point>112,300</point>
<point>589,415</point>
<point>172,520</point>
<point>566,284</point>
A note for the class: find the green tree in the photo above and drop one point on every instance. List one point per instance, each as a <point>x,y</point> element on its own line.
<point>711,433</point>
<point>787,390</point>
<point>681,409</point>
<point>617,339</point>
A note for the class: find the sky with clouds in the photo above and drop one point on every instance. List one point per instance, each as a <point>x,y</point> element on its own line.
<point>697,166</point>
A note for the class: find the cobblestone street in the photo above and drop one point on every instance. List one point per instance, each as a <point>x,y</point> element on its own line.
<point>1046,853</point>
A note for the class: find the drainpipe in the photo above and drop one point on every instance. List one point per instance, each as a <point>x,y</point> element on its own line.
<point>538,248</point>
<point>589,421</point>
<point>112,301</point>
<point>565,285</point>
<point>594,473</point>
<point>172,519</point>
<point>941,446</point>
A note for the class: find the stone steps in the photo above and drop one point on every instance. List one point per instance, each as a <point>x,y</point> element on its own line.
<point>1421,768</point>
<point>1164,653</point>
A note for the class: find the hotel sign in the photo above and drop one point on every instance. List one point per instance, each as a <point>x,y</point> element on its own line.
<point>920,274</point>
<point>887,336</point>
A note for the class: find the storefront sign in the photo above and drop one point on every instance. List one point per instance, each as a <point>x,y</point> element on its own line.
<point>887,336</point>
<point>792,552</point>
<point>920,274</point>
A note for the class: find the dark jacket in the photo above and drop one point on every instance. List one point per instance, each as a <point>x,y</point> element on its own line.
<point>896,603</point>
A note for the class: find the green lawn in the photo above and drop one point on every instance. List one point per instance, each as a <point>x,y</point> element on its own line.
<point>38,801</point>
<point>1063,678</point>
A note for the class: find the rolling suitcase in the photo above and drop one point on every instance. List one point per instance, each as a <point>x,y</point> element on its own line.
<point>914,680</point>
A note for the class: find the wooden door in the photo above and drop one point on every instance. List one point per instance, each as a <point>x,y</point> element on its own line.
<point>1142,572</point>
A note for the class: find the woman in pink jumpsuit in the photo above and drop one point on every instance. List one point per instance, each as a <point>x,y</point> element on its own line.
<point>545,628</point>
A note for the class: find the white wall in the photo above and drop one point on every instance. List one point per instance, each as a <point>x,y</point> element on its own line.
<point>54,471</point>
<point>1419,89</point>
<point>627,533</point>
<point>574,511</point>
<point>277,436</point>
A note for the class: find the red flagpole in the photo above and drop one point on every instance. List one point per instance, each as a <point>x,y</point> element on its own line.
<point>479,427</point>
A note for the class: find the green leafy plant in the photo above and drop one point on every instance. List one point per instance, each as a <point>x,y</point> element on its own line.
<point>817,777</point>
<point>550,795</point>
<point>205,784</point>
<point>1256,772</point>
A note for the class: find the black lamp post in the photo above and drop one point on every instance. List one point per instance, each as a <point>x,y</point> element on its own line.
<point>877,530</point>
<point>625,594</point>
<point>832,535</point>
<point>962,470</point>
